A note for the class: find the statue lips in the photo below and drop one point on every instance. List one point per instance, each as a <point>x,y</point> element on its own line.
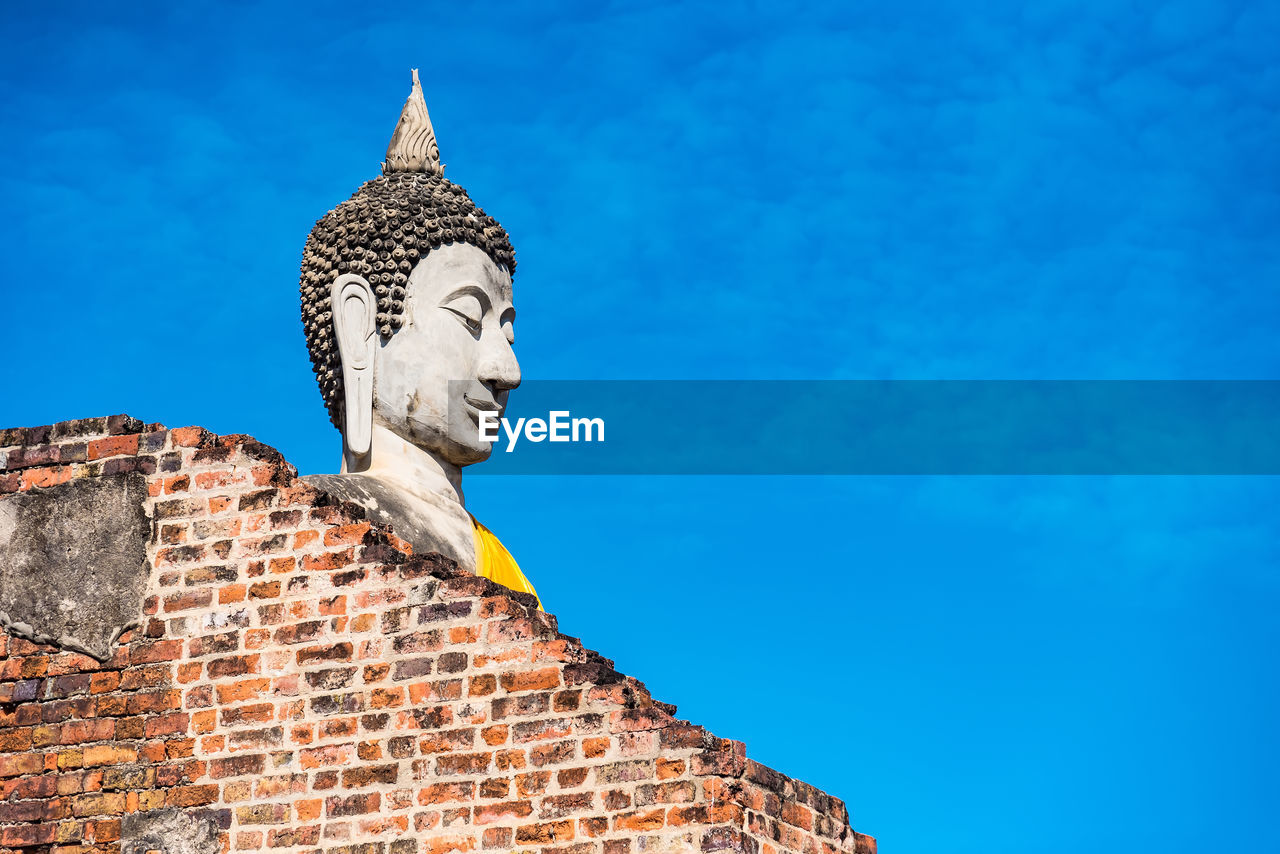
<point>481,405</point>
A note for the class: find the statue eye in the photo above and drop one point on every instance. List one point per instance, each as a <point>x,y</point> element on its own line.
<point>468,310</point>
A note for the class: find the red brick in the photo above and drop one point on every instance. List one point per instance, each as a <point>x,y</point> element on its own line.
<point>95,729</point>
<point>454,844</point>
<point>552,754</point>
<point>336,806</point>
<point>45,477</point>
<point>108,754</point>
<point>445,742</point>
<point>369,775</point>
<point>552,831</point>
<point>412,694</point>
<point>490,813</point>
<point>246,689</point>
<point>646,820</point>
<point>145,653</point>
<point>668,768</point>
<point>569,778</point>
<point>190,437</point>
<point>26,835</point>
<point>191,796</point>
<point>15,740</point>
<point>237,766</point>
<point>681,816</point>
<point>526,731</point>
<point>263,814</point>
<point>154,701</point>
<point>335,652</point>
<point>300,632</point>
<point>533,783</point>
<point>559,806</point>
<point>536,680</point>
<point>264,590</point>
<point>328,561</point>
<point>494,735</point>
<point>188,600</point>
<point>332,754</point>
<point>113,446</point>
<point>346,535</point>
<point>234,665</point>
<point>462,763</point>
<point>798,815</point>
<point>443,793</point>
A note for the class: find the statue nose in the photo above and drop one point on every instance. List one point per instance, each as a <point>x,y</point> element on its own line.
<point>499,367</point>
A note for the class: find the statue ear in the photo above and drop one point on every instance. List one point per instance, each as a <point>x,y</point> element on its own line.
<point>354,310</point>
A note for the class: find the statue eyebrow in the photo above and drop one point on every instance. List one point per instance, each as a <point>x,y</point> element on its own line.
<point>472,289</point>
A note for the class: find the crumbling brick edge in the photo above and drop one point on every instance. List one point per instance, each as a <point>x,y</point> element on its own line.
<point>298,672</point>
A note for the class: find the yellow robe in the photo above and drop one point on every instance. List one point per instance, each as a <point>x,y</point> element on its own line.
<point>495,563</point>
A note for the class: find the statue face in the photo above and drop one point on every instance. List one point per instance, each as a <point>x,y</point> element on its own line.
<point>452,357</point>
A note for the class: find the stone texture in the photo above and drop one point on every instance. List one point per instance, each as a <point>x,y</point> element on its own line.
<point>384,503</point>
<point>413,145</point>
<point>73,562</point>
<point>407,310</point>
<point>169,831</point>
<point>307,684</point>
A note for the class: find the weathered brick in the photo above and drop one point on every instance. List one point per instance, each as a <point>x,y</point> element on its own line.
<point>26,835</point>
<point>113,446</point>
<point>537,680</point>
<point>233,665</point>
<point>191,796</point>
<point>452,662</point>
<point>447,741</point>
<point>490,813</point>
<point>306,708</point>
<point>451,764</point>
<point>334,652</point>
<point>552,754</point>
<point>177,508</point>
<point>108,754</point>
<point>264,590</point>
<point>354,778</point>
<point>569,778</point>
<point>263,814</point>
<point>236,766</point>
<point>524,705</point>
<point>343,535</point>
<point>624,772</point>
<point>360,804</point>
<point>188,600</point>
<point>256,738</point>
<point>544,833</point>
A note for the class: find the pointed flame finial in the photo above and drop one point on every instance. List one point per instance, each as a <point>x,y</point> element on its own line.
<point>413,146</point>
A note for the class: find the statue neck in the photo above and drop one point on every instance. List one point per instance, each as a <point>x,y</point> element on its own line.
<point>412,469</point>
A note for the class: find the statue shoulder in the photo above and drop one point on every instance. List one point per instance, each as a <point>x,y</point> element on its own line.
<point>388,505</point>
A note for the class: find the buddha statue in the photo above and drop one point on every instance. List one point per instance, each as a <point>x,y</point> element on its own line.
<point>408,311</point>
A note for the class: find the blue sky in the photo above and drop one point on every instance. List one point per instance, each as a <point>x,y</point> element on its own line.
<point>750,191</point>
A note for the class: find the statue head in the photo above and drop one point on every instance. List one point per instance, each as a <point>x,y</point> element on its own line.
<point>407,305</point>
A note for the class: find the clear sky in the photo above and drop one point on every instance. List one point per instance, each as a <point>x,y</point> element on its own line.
<point>958,190</point>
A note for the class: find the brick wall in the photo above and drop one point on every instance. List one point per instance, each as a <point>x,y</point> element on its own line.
<point>303,681</point>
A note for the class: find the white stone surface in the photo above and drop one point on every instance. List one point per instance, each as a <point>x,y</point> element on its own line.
<point>412,402</point>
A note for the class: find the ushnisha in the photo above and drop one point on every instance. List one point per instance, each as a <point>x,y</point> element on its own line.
<point>408,311</point>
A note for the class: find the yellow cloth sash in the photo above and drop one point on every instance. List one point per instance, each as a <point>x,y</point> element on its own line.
<point>495,563</point>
